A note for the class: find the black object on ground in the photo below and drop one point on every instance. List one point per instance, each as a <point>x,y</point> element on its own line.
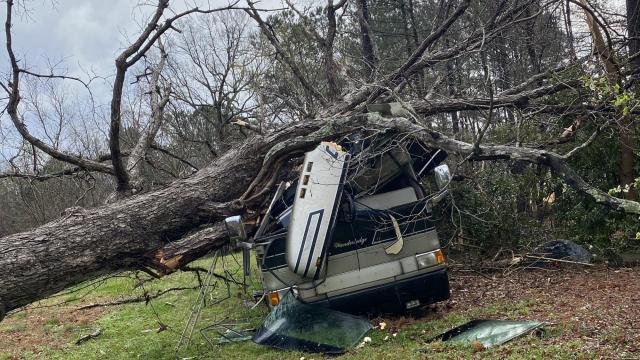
<point>86,338</point>
<point>564,250</point>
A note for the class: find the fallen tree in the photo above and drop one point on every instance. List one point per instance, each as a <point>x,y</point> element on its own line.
<point>161,230</point>
<point>155,230</point>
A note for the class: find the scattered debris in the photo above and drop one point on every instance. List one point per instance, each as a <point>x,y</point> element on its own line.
<point>477,346</point>
<point>228,332</point>
<point>235,335</point>
<point>207,297</point>
<point>364,342</point>
<point>162,327</point>
<point>488,333</point>
<point>86,338</point>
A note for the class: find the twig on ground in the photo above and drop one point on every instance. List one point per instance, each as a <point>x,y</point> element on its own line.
<point>86,338</point>
<point>145,297</point>
<point>558,260</point>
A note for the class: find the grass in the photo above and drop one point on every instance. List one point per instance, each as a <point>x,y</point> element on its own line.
<point>151,331</point>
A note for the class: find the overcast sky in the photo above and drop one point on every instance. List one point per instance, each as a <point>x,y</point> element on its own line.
<point>81,37</point>
<point>86,33</point>
<point>80,32</point>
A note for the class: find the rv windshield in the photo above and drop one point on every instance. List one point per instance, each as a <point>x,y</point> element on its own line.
<point>298,326</point>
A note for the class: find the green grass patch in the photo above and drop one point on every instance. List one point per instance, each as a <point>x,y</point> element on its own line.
<point>152,330</point>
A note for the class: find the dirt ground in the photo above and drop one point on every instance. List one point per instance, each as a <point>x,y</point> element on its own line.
<point>35,332</point>
<point>598,306</point>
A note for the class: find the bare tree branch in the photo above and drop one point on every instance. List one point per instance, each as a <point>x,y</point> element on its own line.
<point>159,99</point>
<point>129,57</point>
<point>283,56</point>
<point>18,122</point>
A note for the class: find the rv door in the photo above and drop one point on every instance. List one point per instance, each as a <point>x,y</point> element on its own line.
<point>315,208</point>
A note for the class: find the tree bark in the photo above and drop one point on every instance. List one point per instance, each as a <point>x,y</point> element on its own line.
<point>132,232</point>
<point>159,97</point>
<point>614,77</point>
<point>369,48</point>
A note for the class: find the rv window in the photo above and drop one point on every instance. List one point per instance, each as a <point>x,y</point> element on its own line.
<point>387,200</point>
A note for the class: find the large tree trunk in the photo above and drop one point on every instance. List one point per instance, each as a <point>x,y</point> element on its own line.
<point>369,48</point>
<point>614,76</point>
<point>131,233</point>
<point>86,243</point>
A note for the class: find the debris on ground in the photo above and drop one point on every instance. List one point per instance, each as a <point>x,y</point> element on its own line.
<point>86,338</point>
<point>235,335</point>
<point>294,325</point>
<point>564,250</point>
<point>488,333</point>
<point>364,342</point>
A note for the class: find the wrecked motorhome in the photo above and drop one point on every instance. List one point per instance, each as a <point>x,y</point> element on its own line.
<point>354,231</point>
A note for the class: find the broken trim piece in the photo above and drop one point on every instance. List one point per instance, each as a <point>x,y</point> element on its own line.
<point>396,247</point>
<point>315,209</point>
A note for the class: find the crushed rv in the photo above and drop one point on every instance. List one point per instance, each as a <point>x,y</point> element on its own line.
<point>354,231</point>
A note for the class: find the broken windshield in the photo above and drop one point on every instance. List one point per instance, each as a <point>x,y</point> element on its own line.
<point>298,326</point>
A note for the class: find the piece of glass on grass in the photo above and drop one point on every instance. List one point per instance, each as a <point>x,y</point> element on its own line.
<point>298,326</point>
<point>234,335</point>
<point>489,332</point>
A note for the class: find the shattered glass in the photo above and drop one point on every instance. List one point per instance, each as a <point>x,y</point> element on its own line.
<point>489,332</point>
<point>294,325</point>
<point>234,335</point>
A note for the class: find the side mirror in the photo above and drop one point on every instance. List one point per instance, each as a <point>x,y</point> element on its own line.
<point>235,229</point>
<point>238,236</point>
<point>443,175</point>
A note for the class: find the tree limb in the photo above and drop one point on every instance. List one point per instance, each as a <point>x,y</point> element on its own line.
<point>18,122</point>
<point>283,56</point>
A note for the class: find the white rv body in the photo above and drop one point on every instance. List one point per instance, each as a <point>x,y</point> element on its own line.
<point>314,211</point>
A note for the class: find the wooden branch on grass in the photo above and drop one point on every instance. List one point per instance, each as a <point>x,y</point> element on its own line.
<point>145,297</point>
<point>557,260</point>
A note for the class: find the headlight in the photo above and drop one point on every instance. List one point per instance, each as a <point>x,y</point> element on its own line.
<point>430,259</point>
